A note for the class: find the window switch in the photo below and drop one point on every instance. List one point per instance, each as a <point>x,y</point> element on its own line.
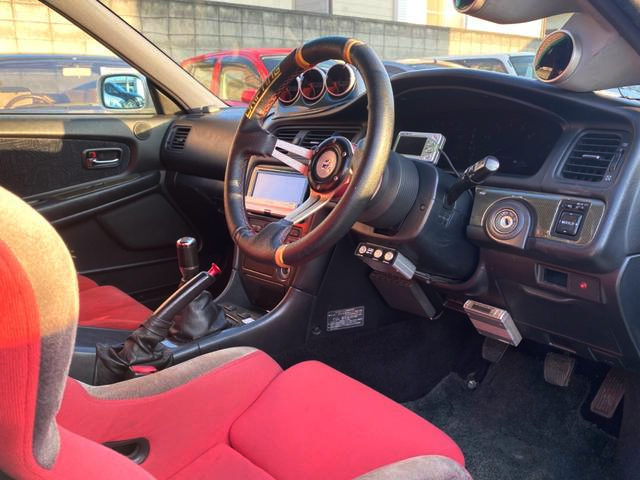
<point>569,223</point>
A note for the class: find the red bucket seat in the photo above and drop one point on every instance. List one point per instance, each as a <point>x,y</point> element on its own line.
<point>231,414</point>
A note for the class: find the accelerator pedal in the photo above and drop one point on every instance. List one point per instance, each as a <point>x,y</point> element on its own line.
<point>493,350</point>
<point>609,394</point>
<point>558,369</point>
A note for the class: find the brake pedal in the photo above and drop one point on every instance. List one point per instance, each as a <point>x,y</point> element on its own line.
<point>493,350</point>
<point>609,394</point>
<point>558,369</point>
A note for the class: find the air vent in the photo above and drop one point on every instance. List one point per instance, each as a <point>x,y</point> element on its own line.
<point>287,134</point>
<point>594,158</point>
<point>316,136</point>
<point>178,137</point>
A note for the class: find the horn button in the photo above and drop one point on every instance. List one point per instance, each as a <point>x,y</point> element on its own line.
<point>330,164</point>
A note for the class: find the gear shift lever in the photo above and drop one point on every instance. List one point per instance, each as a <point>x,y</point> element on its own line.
<point>187,249</point>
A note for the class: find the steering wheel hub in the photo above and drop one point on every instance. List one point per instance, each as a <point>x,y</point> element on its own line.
<point>330,165</point>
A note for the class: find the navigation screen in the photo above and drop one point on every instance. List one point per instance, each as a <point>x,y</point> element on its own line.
<point>279,186</point>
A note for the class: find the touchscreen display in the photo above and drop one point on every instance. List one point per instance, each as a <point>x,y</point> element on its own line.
<point>279,186</point>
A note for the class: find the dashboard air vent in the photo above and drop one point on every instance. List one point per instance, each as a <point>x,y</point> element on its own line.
<point>178,137</point>
<point>594,157</point>
<point>316,136</point>
<point>288,134</point>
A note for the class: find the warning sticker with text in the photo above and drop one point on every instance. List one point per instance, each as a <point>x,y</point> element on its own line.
<point>345,318</point>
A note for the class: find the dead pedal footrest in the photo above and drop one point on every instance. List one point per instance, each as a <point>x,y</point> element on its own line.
<point>609,394</point>
<point>558,369</point>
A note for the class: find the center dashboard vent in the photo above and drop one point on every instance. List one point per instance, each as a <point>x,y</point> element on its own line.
<point>595,157</point>
<point>178,137</point>
<point>310,137</point>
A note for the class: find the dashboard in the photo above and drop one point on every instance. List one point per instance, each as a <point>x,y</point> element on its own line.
<point>520,140</point>
<point>568,179</point>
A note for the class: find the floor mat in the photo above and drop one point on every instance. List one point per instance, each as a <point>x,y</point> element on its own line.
<point>516,426</point>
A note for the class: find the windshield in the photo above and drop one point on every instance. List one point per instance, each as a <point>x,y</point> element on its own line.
<point>523,65</point>
<point>230,47</point>
<point>248,38</point>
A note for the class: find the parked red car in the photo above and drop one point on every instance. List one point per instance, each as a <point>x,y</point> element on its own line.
<point>234,75</point>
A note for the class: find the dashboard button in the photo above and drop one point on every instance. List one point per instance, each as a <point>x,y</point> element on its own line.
<point>569,223</point>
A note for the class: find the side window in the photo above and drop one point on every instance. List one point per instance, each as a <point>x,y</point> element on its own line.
<point>202,71</point>
<point>33,80</point>
<point>490,64</point>
<point>237,76</point>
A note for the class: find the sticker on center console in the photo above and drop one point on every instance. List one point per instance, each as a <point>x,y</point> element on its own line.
<point>345,318</point>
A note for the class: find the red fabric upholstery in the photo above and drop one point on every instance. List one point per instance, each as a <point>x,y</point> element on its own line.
<point>315,423</point>
<point>85,283</point>
<point>222,462</point>
<point>181,424</point>
<point>108,307</point>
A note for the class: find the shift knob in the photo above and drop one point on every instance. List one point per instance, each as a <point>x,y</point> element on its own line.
<point>187,249</point>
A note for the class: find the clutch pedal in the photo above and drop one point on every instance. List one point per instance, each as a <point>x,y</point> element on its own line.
<point>558,369</point>
<point>609,394</point>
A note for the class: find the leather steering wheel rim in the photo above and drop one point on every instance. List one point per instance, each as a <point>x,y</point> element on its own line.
<point>251,139</point>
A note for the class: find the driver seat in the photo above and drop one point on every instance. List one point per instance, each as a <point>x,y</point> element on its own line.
<point>230,414</point>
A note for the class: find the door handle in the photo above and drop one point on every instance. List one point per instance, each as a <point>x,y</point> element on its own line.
<point>101,158</point>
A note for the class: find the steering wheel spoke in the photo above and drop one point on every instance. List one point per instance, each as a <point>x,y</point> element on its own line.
<point>310,206</point>
<point>297,158</point>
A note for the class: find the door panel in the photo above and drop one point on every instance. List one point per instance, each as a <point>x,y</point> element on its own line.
<point>119,223</point>
<point>35,165</point>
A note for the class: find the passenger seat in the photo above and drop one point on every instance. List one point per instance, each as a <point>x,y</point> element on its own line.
<point>108,307</point>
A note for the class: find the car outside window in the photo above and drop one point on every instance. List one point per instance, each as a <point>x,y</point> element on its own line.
<point>235,78</point>
<point>523,65</point>
<point>490,64</point>
<point>202,71</point>
<point>34,80</point>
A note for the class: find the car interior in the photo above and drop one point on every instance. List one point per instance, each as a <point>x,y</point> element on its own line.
<point>428,276</point>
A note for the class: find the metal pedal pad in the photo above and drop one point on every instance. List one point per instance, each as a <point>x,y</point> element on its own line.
<point>609,394</point>
<point>493,350</point>
<point>558,369</point>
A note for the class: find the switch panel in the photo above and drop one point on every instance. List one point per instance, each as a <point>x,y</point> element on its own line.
<point>570,218</point>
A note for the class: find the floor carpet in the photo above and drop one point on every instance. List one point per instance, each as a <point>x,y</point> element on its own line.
<point>516,426</point>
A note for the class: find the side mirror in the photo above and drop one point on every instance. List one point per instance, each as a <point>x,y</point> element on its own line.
<point>122,92</point>
<point>247,95</point>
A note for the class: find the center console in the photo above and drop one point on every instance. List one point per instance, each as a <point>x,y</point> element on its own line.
<point>273,192</point>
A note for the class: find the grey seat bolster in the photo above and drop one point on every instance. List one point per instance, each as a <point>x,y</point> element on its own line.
<point>428,467</point>
<point>170,378</point>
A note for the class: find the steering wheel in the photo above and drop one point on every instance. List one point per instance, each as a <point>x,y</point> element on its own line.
<point>329,167</point>
<point>36,100</point>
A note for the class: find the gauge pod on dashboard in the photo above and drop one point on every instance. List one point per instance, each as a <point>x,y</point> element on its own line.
<point>312,85</point>
<point>290,93</point>
<point>557,57</point>
<point>340,80</point>
<point>514,11</point>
